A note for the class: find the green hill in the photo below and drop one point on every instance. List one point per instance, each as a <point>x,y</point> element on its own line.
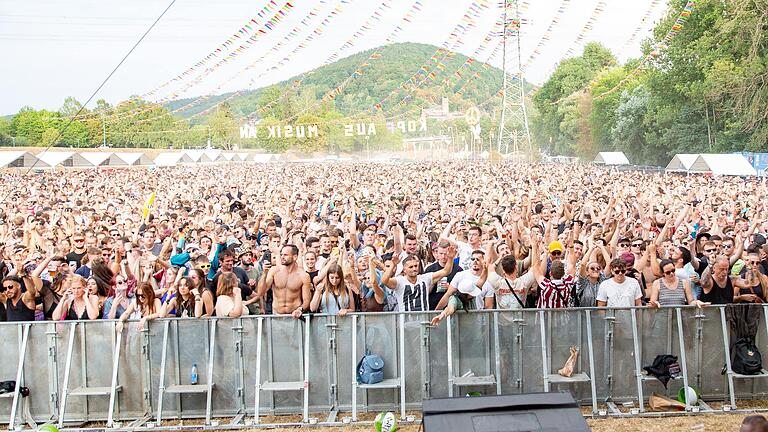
<point>398,62</point>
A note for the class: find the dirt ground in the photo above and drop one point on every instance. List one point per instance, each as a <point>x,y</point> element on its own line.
<point>698,423</point>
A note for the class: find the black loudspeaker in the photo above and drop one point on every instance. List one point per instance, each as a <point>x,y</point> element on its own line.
<point>514,413</point>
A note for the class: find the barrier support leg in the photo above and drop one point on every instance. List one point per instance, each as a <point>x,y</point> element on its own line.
<point>19,374</point>
<point>683,365</point>
<point>544,362</point>
<point>161,389</point>
<point>354,368</point>
<point>591,349</point>
<point>259,328</point>
<point>306,368</point>
<point>727,350</point>
<point>113,383</point>
<point>67,366</point>
<point>401,318</point>
<point>638,366</point>
<point>211,353</point>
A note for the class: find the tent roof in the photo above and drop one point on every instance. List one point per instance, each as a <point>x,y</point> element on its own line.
<point>20,159</point>
<point>241,156</point>
<point>723,164</point>
<point>134,158</point>
<point>229,157</point>
<point>198,156</point>
<point>64,158</point>
<point>172,159</point>
<point>611,158</point>
<point>263,157</point>
<point>682,162</point>
<point>103,159</point>
<point>213,154</point>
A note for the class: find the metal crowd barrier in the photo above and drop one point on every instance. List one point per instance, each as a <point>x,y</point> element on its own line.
<point>265,365</point>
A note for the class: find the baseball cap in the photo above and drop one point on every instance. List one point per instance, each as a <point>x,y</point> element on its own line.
<point>555,246</point>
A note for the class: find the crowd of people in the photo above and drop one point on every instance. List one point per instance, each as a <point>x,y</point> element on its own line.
<point>293,239</point>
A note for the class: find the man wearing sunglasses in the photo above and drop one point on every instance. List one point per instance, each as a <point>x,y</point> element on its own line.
<point>75,256</point>
<point>619,290</point>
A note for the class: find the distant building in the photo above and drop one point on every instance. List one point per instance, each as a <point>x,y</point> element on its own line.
<point>440,112</point>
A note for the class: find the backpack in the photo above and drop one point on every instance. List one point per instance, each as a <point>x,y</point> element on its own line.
<point>745,358</point>
<point>370,369</point>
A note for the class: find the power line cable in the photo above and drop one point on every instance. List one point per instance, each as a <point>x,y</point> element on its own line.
<point>125,57</point>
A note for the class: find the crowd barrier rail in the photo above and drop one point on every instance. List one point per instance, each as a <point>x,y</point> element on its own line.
<point>86,371</point>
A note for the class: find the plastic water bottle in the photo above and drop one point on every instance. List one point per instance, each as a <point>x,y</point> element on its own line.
<point>193,378</point>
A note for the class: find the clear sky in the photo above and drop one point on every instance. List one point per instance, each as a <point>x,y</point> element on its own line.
<point>53,49</point>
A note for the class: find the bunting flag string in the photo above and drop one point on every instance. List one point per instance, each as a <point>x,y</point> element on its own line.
<point>583,33</point>
<point>245,30</point>
<point>677,27</point>
<point>375,55</point>
<point>366,27</point>
<point>466,23</point>
<point>646,18</point>
<point>547,36</point>
<point>275,49</point>
<point>280,14</point>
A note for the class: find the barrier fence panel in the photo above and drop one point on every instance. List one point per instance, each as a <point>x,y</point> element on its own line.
<point>507,352</point>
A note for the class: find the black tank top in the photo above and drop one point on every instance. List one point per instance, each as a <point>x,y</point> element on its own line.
<point>72,314</point>
<point>18,312</point>
<point>718,295</point>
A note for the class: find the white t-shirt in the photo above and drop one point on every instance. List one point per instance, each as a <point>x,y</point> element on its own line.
<point>413,297</point>
<point>505,299</point>
<point>465,281</point>
<point>619,295</point>
<point>465,254</point>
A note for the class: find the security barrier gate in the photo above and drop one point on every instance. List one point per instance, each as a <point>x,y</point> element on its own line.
<point>307,367</point>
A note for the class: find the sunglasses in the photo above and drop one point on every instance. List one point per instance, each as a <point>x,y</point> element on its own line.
<point>594,268</point>
<point>710,250</point>
<point>754,262</point>
<point>7,287</point>
<point>669,272</point>
<point>624,245</point>
<point>637,245</point>
<point>141,296</point>
<point>204,266</point>
<point>476,259</point>
<point>726,246</point>
<point>619,271</point>
<point>78,240</point>
<point>115,234</point>
<point>120,282</point>
<point>555,253</point>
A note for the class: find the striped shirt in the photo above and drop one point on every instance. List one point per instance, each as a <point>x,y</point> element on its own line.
<point>556,294</point>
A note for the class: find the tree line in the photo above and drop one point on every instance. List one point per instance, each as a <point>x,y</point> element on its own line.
<point>705,93</point>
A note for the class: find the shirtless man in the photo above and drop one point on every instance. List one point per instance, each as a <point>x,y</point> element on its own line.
<point>292,287</point>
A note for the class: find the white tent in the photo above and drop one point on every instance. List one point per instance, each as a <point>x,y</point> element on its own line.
<point>264,157</point>
<point>103,159</point>
<point>135,158</point>
<point>228,157</point>
<point>214,155</point>
<point>198,156</point>
<point>173,159</point>
<point>611,158</point>
<point>67,159</point>
<point>723,164</point>
<point>20,159</point>
<point>241,157</point>
<point>682,162</point>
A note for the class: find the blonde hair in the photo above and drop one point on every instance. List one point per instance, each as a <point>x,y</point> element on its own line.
<point>76,278</point>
